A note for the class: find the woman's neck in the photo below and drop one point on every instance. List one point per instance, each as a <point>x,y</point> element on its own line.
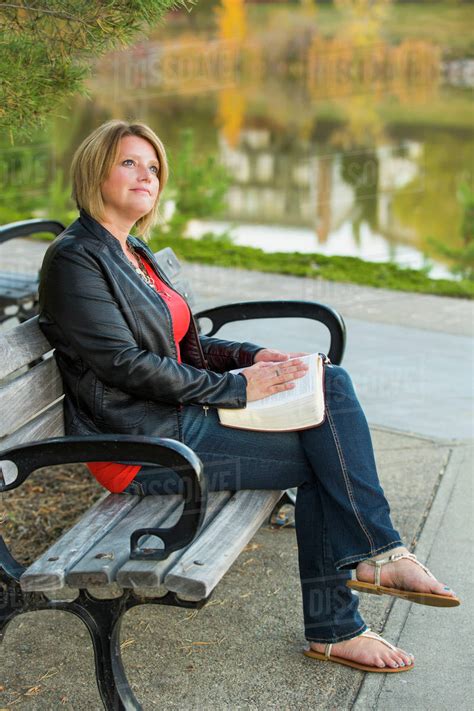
<point>119,229</point>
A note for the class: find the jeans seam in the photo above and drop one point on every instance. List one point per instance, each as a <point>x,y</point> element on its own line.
<point>349,635</point>
<point>347,480</point>
<point>289,462</point>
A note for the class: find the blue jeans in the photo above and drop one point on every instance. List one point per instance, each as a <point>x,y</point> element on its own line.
<point>342,516</point>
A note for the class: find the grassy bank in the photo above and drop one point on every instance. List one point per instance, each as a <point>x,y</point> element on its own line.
<point>221,252</point>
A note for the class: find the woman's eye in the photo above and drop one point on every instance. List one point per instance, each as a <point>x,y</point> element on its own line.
<point>127,161</point>
<point>154,169</point>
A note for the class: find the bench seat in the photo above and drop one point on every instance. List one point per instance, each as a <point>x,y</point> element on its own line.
<point>95,552</point>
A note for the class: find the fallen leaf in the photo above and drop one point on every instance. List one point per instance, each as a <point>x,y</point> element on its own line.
<point>252,546</point>
<point>127,643</point>
<point>32,691</point>
<point>250,560</point>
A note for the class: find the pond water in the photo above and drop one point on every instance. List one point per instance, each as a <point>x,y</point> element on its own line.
<point>338,137</point>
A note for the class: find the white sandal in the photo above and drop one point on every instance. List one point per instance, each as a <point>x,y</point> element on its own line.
<point>424,598</point>
<point>326,656</point>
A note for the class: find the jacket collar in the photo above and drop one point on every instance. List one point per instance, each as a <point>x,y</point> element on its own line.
<point>97,230</point>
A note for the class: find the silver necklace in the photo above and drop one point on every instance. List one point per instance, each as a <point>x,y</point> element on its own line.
<point>141,270</point>
<point>143,274</point>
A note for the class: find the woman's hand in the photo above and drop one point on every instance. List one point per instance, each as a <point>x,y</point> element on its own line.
<point>267,378</point>
<point>272,355</point>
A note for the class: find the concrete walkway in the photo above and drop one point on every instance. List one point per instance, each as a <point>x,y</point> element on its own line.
<point>411,360</point>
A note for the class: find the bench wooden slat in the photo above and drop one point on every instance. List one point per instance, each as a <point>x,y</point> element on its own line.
<point>21,345</point>
<point>49,424</point>
<point>25,397</point>
<point>220,544</point>
<point>100,564</point>
<point>184,288</point>
<point>15,288</point>
<point>143,573</point>
<point>168,263</point>
<point>48,572</point>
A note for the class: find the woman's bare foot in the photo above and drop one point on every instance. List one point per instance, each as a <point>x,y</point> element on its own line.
<point>403,574</point>
<point>368,651</point>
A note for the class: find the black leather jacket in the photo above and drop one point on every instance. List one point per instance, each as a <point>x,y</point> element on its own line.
<point>114,343</point>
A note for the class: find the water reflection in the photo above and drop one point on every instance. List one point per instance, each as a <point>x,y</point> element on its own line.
<point>337,139</point>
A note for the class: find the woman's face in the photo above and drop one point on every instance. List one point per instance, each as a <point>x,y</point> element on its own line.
<point>131,189</point>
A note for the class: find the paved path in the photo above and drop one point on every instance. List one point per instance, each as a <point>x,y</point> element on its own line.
<point>411,358</point>
<point>407,353</point>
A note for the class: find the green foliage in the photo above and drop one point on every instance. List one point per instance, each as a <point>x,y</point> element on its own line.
<point>47,49</point>
<point>463,257</point>
<point>32,186</point>
<point>220,251</point>
<point>59,201</point>
<point>198,184</point>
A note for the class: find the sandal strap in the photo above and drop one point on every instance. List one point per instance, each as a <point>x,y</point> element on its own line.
<point>374,635</point>
<point>367,633</point>
<point>378,564</point>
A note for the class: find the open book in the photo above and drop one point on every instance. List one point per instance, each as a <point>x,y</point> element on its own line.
<point>295,409</point>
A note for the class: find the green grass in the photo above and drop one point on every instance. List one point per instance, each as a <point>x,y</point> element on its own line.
<point>447,25</point>
<point>220,251</point>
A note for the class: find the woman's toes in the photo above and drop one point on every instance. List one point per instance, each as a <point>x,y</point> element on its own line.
<point>447,591</point>
<point>442,589</point>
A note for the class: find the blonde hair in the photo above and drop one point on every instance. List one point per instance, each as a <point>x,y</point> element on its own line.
<point>93,161</point>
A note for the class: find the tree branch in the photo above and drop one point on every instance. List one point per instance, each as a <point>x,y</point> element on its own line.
<point>42,11</point>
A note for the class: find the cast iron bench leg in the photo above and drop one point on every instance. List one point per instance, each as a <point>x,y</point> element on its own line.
<point>101,617</point>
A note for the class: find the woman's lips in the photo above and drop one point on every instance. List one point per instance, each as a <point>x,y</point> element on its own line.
<point>141,190</point>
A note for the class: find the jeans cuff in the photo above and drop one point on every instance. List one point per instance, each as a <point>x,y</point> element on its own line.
<point>351,561</point>
<point>338,638</point>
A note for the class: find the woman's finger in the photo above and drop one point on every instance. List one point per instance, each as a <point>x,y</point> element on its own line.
<point>279,378</point>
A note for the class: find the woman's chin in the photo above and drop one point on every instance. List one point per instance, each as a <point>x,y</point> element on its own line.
<point>139,209</point>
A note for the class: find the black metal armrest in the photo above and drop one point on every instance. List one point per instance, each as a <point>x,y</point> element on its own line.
<point>245,310</point>
<point>16,465</point>
<point>25,228</point>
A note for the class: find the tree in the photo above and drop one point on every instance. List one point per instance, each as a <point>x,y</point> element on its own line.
<point>47,49</point>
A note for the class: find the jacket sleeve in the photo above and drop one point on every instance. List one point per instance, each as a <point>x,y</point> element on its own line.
<point>223,355</point>
<point>79,314</point>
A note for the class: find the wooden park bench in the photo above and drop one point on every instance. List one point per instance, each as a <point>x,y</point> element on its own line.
<point>126,550</point>
<point>18,291</point>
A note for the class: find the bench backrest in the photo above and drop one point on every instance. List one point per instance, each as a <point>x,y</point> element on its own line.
<point>30,397</point>
<point>31,389</point>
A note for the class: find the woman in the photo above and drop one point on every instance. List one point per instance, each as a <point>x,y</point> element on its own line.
<point>132,362</point>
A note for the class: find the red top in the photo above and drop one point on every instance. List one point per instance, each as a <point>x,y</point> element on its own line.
<point>116,477</point>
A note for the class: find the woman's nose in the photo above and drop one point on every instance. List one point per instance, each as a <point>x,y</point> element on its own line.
<point>143,173</point>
